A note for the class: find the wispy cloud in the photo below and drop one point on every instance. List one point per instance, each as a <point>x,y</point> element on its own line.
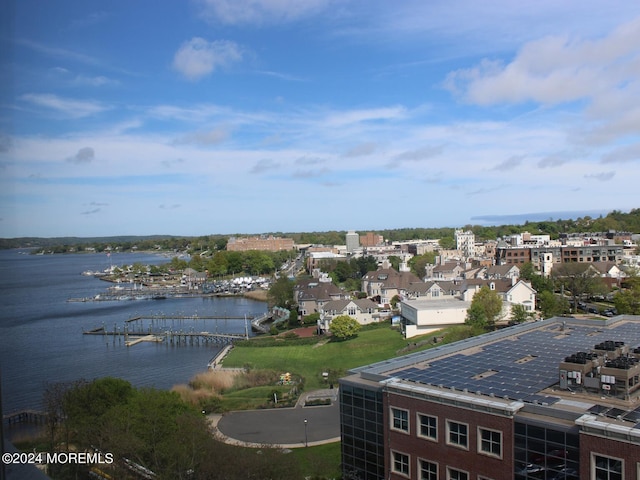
<point>66,106</point>
<point>265,165</point>
<point>510,163</point>
<point>603,177</point>
<point>258,12</point>
<point>552,161</point>
<point>214,136</point>
<point>361,150</point>
<point>628,153</point>
<point>197,58</point>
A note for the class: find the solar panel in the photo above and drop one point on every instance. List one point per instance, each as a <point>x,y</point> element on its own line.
<point>518,368</point>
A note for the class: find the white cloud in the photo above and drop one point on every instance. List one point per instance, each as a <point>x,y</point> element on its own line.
<point>553,70</point>
<point>69,107</point>
<point>198,57</point>
<point>236,12</point>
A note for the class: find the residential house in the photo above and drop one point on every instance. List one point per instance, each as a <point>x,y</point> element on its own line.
<point>511,292</point>
<point>445,271</point>
<point>312,294</point>
<point>364,311</point>
<point>383,284</point>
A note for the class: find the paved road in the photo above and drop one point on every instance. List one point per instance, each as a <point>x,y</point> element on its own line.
<point>284,427</point>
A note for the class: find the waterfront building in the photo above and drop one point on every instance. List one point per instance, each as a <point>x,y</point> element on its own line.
<point>553,399</point>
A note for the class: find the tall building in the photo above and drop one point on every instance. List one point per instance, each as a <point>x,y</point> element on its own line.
<point>352,239</point>
<point>466,243</point>
<point>544,400</point>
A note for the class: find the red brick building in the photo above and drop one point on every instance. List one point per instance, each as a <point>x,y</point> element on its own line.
<point>541,400</point>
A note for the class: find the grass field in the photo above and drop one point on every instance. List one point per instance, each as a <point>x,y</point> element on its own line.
<point>310,361</point>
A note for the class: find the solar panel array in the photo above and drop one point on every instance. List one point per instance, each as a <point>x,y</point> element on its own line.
<point>517,369</point>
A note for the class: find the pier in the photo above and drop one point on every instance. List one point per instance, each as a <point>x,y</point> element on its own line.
<point>25,416</point>
<point>177,329</point>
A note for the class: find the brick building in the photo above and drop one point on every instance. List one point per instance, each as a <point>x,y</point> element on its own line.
<point>263,242</point>
<point>552,399</point>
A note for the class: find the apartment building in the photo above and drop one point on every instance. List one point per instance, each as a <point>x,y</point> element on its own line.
<point>552,399</point>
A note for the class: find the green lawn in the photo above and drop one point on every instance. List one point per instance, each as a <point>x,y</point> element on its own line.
<point>309,361</point>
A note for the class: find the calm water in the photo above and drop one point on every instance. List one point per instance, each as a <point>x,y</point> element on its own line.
<point>41,336</point>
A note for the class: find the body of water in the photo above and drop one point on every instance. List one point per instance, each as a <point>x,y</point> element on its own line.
<point>41,339</point>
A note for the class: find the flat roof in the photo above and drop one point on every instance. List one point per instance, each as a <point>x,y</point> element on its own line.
<point>514,364</point>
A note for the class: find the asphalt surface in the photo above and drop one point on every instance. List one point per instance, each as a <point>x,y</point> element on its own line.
<point>282,427</point>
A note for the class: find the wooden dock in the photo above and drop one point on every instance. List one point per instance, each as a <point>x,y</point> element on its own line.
<point>25,416</point>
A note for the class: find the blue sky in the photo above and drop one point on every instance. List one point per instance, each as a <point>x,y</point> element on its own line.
<point>249,116</point>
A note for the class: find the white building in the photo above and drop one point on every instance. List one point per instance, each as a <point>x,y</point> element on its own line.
<point>352,240</point>
<point>427,315</point>
<point>466,243</point>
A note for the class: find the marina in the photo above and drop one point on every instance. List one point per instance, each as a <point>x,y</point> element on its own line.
<point>35,292</point>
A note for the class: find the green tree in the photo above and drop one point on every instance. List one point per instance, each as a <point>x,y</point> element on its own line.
<point>485,308</point>
<point>550,304</point>
<point>280,293</point>
<point>344,327</point>
<point>627,300</point>
<point>418,263</point>
<point>448,242</point>
<point>519,314</point>
<point>579,278</point>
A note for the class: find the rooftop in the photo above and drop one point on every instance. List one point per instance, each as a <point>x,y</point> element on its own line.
<point>516,366</point>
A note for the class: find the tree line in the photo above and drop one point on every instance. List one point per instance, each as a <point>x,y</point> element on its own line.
<point>614,220</point>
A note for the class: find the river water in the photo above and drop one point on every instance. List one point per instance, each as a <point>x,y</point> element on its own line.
<point>41,339</point>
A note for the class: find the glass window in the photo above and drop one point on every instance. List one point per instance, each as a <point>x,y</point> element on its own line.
<point>457,434</point>
<point>428,426</point>
<point>607,468</point>
<point>490,442</point>
<point>428,470</point>
<point>400,419</point>
<point>453,474</point>
<point>400,463</point>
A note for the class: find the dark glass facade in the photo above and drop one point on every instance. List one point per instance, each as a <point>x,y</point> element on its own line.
<point>544,452</point>
<point>362,432</point>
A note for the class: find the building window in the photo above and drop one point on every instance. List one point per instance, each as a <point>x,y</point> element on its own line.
<point>352,310</point>
<point>400,463</point>
<point>457,434</point>
<point>607,468</point>
<point>490,442</point>
<point>453,474</point>
<point>400,419</point>
<point>428,426</point>
<point>428,470</point>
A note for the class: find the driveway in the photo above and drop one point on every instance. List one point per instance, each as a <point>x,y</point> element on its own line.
<point>283,427</point>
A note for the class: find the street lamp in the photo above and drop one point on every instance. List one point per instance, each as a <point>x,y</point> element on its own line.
<point>306,442</point>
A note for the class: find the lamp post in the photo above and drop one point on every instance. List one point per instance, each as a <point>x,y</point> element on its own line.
<point>306,442</point>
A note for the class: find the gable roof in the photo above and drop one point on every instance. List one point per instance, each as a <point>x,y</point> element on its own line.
<point>340,305</point>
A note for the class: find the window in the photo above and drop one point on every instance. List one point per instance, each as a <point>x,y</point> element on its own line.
<point>606,468</point>
<point>400,463</point>
<point>490,442</point>
<point>457,434</point>
<point>352,310</point>
<point>428,426</point>
<point>400,419</point>
<point>428,470</point>
<point>453,474</point>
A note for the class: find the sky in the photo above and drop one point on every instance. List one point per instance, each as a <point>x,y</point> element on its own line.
<point>202,117</point>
